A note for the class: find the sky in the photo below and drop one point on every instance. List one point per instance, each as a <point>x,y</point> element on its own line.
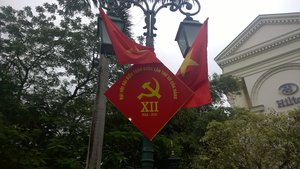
<point>227,19</point>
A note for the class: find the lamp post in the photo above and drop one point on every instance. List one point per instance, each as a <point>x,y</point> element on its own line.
<point>106,46</point>
<point>183,38</point>
<point>94,157</point>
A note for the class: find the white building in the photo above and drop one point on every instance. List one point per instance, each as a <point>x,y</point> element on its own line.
<point>266,57</point>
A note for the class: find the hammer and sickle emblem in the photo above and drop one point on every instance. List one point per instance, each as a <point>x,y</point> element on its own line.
<point>153,92</point>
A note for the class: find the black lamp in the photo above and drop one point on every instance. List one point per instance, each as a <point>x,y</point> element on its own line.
<point>106,45</point>
<point>186,34</point>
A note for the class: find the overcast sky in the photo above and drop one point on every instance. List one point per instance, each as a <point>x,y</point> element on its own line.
<point>227,18</point>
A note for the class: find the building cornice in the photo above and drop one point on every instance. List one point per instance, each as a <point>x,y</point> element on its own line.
<point>227,56</point>
<point>262,66</point>
<point>259,50</point>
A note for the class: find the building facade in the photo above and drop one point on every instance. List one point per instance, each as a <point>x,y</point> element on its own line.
<point>265,56</point>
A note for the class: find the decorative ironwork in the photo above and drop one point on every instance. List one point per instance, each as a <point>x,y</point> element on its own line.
<point>183,6</point>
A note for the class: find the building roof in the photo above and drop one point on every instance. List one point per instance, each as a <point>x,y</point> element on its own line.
<point>265,33</point>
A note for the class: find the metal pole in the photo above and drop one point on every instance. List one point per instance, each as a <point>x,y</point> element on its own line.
<point>98,120</point>
<point>147,154</point>
<point>148,150</point>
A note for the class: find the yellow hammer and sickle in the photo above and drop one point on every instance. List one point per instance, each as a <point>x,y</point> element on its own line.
<point>153,92</point>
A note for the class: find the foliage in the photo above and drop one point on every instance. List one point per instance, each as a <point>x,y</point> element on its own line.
<point>48,86</point>
<point>73,7</point>
<point>221,85</point>
<point>253,140</point>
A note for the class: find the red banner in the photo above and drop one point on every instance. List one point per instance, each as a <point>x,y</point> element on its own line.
<point>127,51</point>
<point>149,95</point>
<point>194,71</point>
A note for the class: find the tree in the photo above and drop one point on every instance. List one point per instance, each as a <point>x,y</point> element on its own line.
<point>48,82</point>
<point>253,140</point>
<point>48,86</point>
<point>221,86</point>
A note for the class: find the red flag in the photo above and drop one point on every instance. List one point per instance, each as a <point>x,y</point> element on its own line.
<point>194,72</point>
<point>126,50</point>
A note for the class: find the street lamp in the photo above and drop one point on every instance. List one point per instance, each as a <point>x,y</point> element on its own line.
<point>106,46</point>
<point>94,157</point>
<point>186,34</point>
<point>185,8</point>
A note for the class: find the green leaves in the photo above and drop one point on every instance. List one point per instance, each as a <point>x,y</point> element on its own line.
<point>252,140</point>
<point>46,93</point>
<point>222,85</point>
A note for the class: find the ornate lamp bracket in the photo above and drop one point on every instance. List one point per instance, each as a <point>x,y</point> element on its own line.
<point>185,7</point>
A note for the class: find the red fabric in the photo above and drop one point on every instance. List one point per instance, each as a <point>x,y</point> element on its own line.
<point>194,70</point>
<point>126,50</point>
<point>149,95</point>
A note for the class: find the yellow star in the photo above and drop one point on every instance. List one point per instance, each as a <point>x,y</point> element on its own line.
<point>188,61</point>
